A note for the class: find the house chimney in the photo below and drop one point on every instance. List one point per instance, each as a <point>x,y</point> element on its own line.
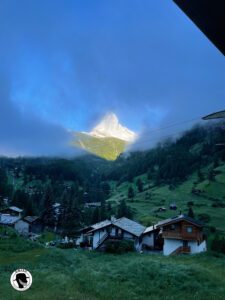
<point>153,226</point>
<point>113,218</point>
<point>180,212</point>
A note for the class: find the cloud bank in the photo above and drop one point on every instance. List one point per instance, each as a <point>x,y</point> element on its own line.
<point>64,64</point>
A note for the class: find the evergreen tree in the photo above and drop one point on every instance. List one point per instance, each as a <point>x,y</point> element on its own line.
<point>211,175</point>
<point>139,184</point>
<point>29,208</point>
<point>3,182</point>
<point>48,216</point>
<point>102,210</point>
<point>191,213</point>
<point>123,210</point>
<point>200,175</point>
<point>106,188</point>
<point>130,193</point>
<point>108,207</point>
<point>95,216</point>
<point>215,162</point>
<point>20,199</point>
<point>70,213</point>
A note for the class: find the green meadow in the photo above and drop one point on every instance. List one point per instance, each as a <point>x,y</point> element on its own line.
<point>75,274</point>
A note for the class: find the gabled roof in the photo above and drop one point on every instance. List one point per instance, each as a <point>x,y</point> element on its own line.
<point>6,219</point>
<point>31,219</point>
<point>178,219</point>
<point>16,209</point>
<point>150,228</point>
<point>123,223</point>
<point>129,226</point>
<point>100,225</point>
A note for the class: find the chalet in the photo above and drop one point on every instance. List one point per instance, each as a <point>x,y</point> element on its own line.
<point>181,234</point>
<point>114,229</point>
<point>12,211</point>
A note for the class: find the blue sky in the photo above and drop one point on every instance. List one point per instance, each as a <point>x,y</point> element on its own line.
<point>64,64</point>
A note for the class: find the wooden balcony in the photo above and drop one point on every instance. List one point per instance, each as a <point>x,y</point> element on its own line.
<point>182,235</point>
<point>172,234</point>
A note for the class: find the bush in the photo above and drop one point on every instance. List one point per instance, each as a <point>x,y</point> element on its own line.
<point>218,204</point>
<point>119,247</point>
<point>66,245</point>
<point>218,244</point>
<point>205,218</point>
<point>212,229</point>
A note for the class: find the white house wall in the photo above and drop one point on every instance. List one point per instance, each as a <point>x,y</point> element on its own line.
<point>171,245</point>
<point>195,248</point>
<point>127,235</point>
<point>98,234</point>
<point>22,227</point>
<point>148,239</point>
<point>80,239</point>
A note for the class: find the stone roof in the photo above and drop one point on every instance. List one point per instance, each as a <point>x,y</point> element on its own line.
<point>101,224</point>
<point>123,223</point>
<point>130,226</point>
<point>30,219</point>
<point>6,219</point>
<point>177,219</point>
<point>15,208</point>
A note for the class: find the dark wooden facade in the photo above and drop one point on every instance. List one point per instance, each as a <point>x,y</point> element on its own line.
<point>182,230</point>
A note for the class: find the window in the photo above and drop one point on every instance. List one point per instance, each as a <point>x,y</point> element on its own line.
<point>173,227</point>
<point>189,229</point>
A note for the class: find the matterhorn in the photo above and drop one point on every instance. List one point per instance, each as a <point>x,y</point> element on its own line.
<point>108,139</point>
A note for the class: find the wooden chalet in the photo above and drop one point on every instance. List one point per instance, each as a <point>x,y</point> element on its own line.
<point>176,235</point>
<point>182,234</point>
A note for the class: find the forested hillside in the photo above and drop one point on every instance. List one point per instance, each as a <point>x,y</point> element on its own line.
<point>188,172</point>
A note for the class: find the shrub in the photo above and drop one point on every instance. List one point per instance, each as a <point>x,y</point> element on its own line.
<point>218,244</point>
<point>118,247</point>
<point>212,229</point>
<point>205,218</point>
<point>66,245</point>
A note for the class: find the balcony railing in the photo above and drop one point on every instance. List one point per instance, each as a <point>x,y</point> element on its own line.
<point>181,235</point>
<point>172,234</point>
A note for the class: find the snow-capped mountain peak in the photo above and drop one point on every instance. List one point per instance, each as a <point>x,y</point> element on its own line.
<point>109,126</point>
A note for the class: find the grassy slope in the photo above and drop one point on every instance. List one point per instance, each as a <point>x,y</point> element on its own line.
<point>108,148</point>
<point>147,202</point>
<point>72,274</point>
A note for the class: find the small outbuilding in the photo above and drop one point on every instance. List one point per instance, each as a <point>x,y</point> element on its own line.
<point>12,211</point>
